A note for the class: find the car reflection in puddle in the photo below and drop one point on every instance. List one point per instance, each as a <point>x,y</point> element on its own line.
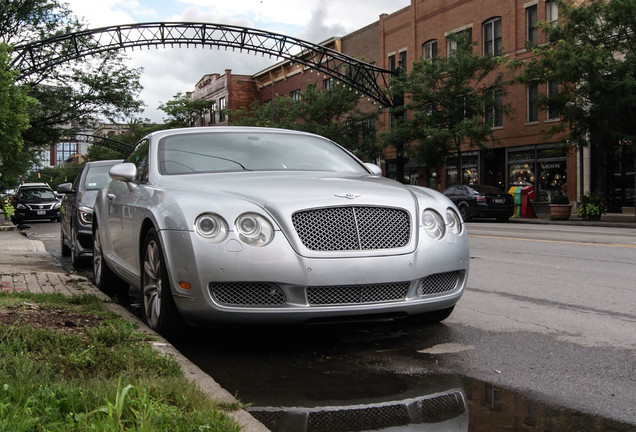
<point>441,408</point>
<point>465,405</point>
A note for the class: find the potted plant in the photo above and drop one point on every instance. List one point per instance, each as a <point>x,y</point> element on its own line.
<point>560,207</point>
<point>592,207</point>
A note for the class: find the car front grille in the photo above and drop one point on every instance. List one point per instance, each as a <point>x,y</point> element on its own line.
<point>252,294</point>
<point>356,294</point>
<point>352,228</point>
<point>40,206</point>
<point>438,283</point>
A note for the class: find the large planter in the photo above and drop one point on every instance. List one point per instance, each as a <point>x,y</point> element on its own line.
<point>560,211</point>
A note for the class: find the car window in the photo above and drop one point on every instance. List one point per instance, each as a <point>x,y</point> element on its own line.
<point>97,177</point>
<point>250,151</point>
<point>139,157</point>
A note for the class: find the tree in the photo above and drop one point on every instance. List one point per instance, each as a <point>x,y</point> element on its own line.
<point>69,95</point>
<point>592,57</point>
<point>332,113</point>
<point>14,120</point>
<point>446,99</point>
<point>182,109</point>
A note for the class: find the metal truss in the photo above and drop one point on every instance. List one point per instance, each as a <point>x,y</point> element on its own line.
<point>363,77</point>
<point>109,143</point>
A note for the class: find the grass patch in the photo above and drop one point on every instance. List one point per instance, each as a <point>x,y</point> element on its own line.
<point>92,372</point>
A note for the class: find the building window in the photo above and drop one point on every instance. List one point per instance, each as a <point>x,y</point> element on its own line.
<point>222,110</point>
<point>553,91</point>
<point>327,84</point>
<point>552,12</point>
<point>392,65</point>
<point>454,39</point>
<point>64,152</point>
<point>533,107</point>
<point>494,111</point>
<point>213,113</point>
<point>492,37</point>
<point>531,24</point>
<point>429,50</point>
<point>295,95</point>
<point>402,59</point>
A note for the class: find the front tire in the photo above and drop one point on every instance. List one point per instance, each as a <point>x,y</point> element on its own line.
<point>160,311</point>
<point>66,251</point>
<point>77,261</point>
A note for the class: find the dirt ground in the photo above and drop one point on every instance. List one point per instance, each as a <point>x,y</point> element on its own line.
<point>48,317</point>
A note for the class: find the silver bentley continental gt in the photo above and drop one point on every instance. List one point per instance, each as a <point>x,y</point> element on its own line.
<point>238,224</point>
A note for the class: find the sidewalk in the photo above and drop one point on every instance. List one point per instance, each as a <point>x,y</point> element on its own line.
<point>26,266</point>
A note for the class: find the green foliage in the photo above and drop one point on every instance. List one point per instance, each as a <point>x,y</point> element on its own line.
<point>558,198</point>
<point>108,378</point>
<point>592,204</point>
<point>8,210</point>
<point>446,98</point>
<point>71,94</point>
<point>14,121</point>
<point>181,109</point>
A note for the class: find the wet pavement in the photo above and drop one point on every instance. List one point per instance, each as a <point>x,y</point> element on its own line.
<point>355,378</point>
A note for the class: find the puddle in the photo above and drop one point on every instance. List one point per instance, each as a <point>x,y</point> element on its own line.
<point>436,403</point>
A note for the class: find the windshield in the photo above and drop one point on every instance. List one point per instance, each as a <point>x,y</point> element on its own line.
<point>252,151</point>
<point>36,195</point>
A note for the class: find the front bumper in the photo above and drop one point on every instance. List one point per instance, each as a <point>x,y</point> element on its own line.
<point>238,283</point>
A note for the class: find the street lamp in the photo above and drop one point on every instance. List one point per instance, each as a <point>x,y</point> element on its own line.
<point>271,89</point>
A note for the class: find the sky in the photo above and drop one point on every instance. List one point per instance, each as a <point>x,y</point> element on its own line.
<point>172,70</point>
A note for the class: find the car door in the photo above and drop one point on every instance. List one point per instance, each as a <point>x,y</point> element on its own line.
<point>122,198</point>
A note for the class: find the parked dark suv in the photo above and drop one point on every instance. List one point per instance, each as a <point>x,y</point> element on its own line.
<point>35,201</point>
<point>76,234</point>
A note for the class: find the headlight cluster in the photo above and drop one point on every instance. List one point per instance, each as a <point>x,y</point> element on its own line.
<point>435,225</point>
<point>251,228</point>
<point>85,215</point>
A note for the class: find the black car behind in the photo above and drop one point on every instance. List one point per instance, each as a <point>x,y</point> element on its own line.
<point>35,202</point>
<point>479,201</point>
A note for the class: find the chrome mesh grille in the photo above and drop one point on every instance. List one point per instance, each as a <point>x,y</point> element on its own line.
<point>438,283</point>
<point>253,294</point>
<point>352,228</point>
<point>356,294</point>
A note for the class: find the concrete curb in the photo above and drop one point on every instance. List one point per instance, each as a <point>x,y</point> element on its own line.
<point>54,279</point>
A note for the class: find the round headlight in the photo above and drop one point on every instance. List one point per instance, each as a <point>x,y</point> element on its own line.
<point>454,221</point>
<point>211,226</point>
<point>433,223</point>
<point>254,229</point>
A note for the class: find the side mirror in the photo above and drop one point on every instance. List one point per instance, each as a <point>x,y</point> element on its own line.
<point>124,172</point>
<point>65,188</point>
<point>375,170</point>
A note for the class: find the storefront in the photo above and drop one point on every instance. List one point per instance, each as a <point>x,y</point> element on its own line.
<point>542,166</point>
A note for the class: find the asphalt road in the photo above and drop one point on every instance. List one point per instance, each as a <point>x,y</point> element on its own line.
<point>549,316</point>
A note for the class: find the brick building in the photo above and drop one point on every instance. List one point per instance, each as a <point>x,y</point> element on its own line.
<point>521,151</point>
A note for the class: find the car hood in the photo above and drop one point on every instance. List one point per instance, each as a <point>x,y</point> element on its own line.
<point>287,192</point>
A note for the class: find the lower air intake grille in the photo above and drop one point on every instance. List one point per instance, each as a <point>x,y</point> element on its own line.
<point>253,294</point>
<point>356,294</point>
<point>438,283</point>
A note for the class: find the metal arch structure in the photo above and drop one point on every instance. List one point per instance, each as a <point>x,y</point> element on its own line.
<point>366,78</point>
<point>109,143</point>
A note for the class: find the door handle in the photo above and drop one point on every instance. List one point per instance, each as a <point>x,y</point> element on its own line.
<point>110,196</point>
